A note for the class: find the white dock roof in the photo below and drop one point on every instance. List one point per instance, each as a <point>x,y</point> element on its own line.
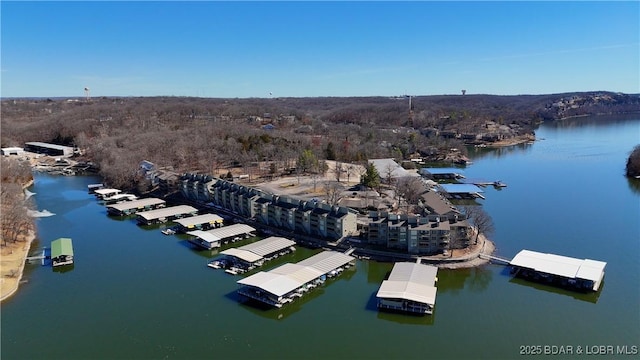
<point>560,265</point>
<point>199,219</point>
<point>204,235</point>
<point>411,281</point>
<point>230,231</point>
<point>107,191</point>
<point>268,246</point>
<point>136,204</point>
<point>166,212</point>
<point>245,255</point>
<point>288,277</point>
<point>327,261</point>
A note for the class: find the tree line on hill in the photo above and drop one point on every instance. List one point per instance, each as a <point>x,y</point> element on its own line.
<point>211,135</point>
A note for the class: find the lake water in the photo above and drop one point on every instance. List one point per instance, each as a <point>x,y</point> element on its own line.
<point>134,293</point>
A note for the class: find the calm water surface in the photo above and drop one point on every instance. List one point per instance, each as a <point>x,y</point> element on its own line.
<point>135,293</point>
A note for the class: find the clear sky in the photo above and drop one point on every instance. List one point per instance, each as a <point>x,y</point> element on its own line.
<point>255,49</point>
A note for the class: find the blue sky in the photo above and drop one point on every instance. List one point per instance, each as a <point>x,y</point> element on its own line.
<point>252,49</point>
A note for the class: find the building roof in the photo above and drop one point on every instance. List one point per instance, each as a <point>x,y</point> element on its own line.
<point>384,165</point>
<point>410,281</point>
<point>222,233</point>
<point>199,219</point>
<point>61,246</point>
<point>560,265</point>
<point>141,203</point>
<point>437,203</point>
<point>47,145</point>
<point>167,212</point>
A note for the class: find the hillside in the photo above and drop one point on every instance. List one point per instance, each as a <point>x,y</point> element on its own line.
<point>200,134</point>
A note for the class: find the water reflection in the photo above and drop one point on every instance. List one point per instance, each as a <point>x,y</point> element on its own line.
<point>634,185</point>
<point>598,121</point>
<point>63,269</point>
<point>591,297</point>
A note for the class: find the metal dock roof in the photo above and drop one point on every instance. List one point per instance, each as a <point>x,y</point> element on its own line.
<point>61,246</point>
<point>104,192</point>
<point>560,265</point>
<point>410,281</point>
<point>167,212</point>
<point>199,219</point>
<point>461,188</point>
<point>223,232</point>
<point>443,171</point>
<point>288,277</point>
<point>135,204</point>
<point>259,249</point>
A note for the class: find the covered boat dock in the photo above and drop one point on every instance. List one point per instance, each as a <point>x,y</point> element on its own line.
<point>119,198</point>
<point>560,270</point>
<point>199,222</point>
<point>106,193</point>
<point>61,252</point>
<point>249,256</point>
<point>214,238</point>
<point>442,173</point>
<point>165,214</point>
<point>132,207</point>
<point>288,282</point>
<point>462,191</point>
<point>410,288</point>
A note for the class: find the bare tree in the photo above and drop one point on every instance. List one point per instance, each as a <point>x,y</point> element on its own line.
<point>388,174</point>
<point>338,170</point>
<point>480,219</point>
<point>332,190</point>
<point>410,188</point>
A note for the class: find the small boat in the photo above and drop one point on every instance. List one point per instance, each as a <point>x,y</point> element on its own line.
<point>231,271</point>
<point>499,184</point>
<point>168,231</point>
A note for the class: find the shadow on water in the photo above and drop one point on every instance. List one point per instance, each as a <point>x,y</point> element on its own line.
<point>63,269</point>
<point>591,297</point>
<point>634,185</point>
<point>270,312</point>
<point>399,316</point>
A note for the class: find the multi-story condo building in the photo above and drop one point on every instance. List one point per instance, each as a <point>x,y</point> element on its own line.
<point>416,234</point>
<point>305,217</point>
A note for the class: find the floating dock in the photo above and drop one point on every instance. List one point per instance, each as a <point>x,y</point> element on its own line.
<point>248,257</point>
<point>165,214</point>
<point>105,193</point>
<point>132,207</point>
<point>559,270</point>
<point>462,191</point>
<point>199,222</point>
<point>288,282</point>
<point>61,252</point>
<point>119,198</point>
<point>410,288</point>
<point>442,173</point>
<point>93,187</point>
<point>214,238</point>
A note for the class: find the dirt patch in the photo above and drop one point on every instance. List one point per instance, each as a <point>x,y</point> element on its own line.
<point>12,261</point>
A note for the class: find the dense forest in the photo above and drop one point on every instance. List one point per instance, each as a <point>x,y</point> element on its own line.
<point>209,135</point>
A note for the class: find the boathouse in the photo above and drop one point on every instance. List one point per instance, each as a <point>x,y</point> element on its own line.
<point>93,187</point>
<point>462,191</point>
<point>119,198</point>
<point>165,214</point>
<point>214,238</point>
<point>410,288</point>
<point>12,151</point>
<point>249,256</point>
<point>290,281</point>
<point>132,207</point>
<point>199,222</point>
<point>61,252</point>
<point>106,193</point>
<point>559,270</point>
<point>442,173</point>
